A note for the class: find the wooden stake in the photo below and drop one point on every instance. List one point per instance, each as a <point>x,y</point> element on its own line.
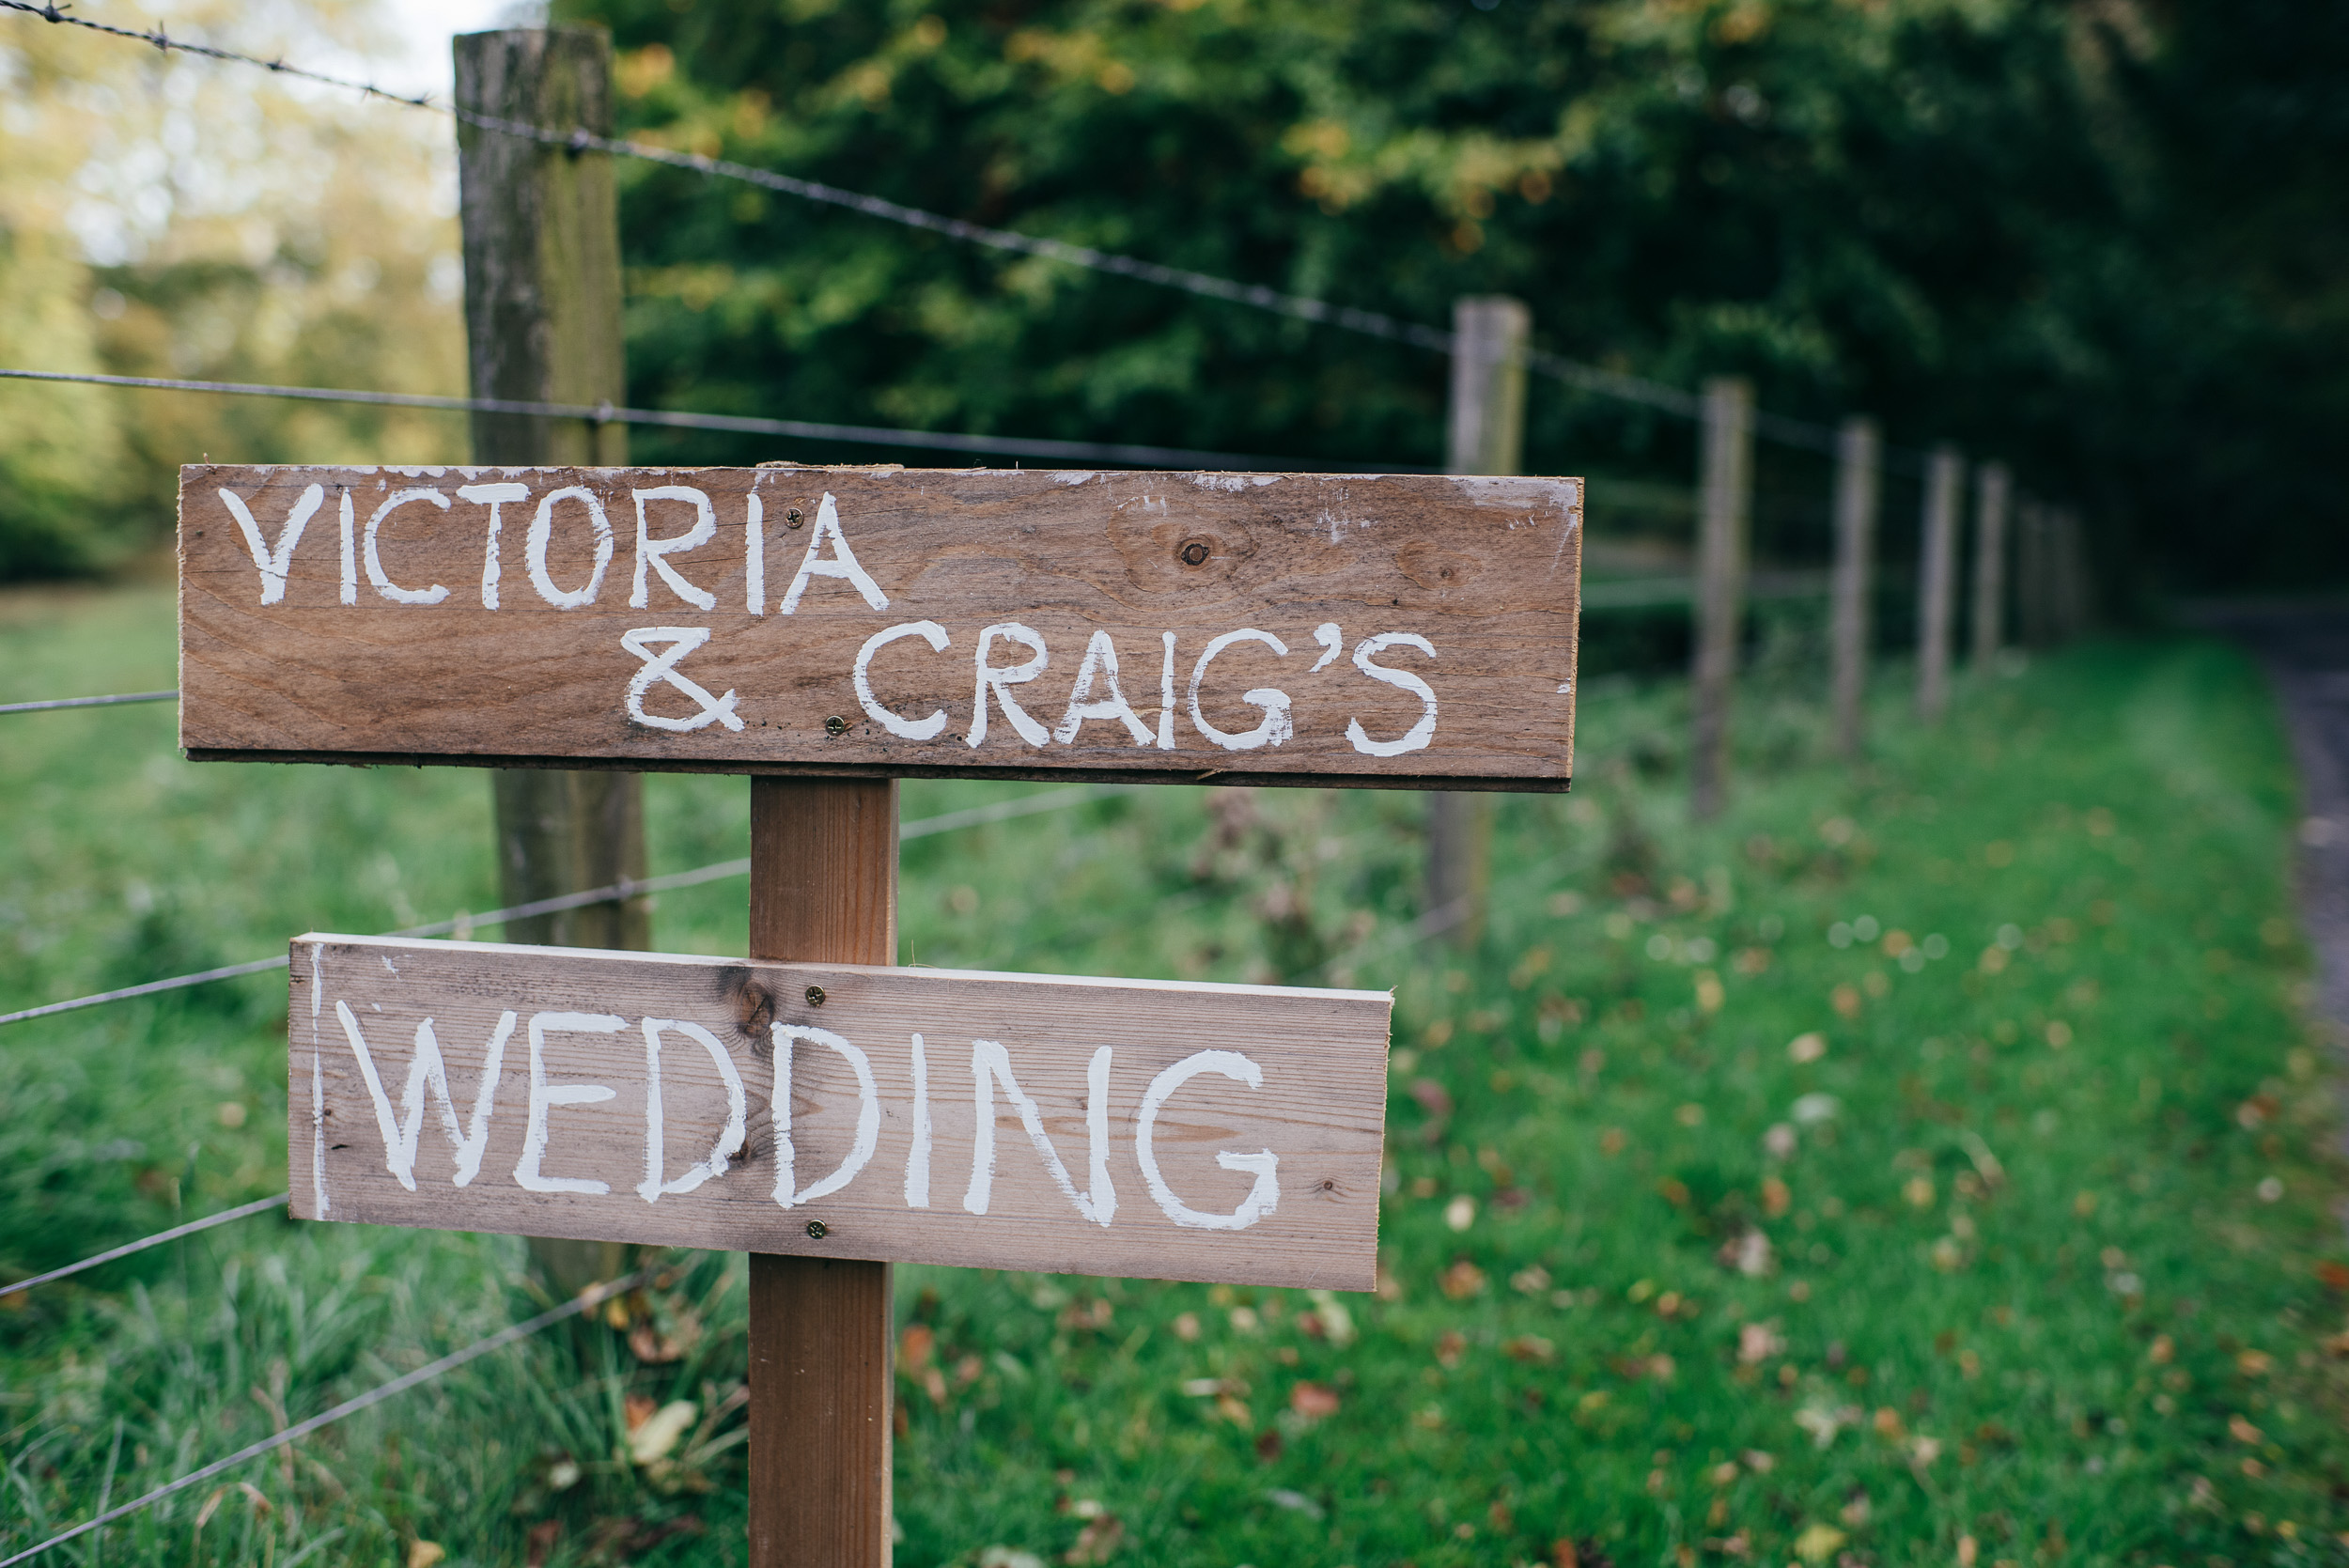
<point>1937,581</point>
<point>1726,510</point>
<point>542,323</point>
<point>823,890</point>
<point>1857,476</point>
<point>2030,572</point>
<point>1486,436</point>
<point>1991,488</point>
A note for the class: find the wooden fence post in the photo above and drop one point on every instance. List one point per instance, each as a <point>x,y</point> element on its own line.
<point>2031,573</point>
<point>1937,581</point>
<point>542,325</point>
<point>1486,435</point>
<point>1858,477</point>
<point>1724,521</point>
<point>823,890</point>
<point>1990,505</point>
<point>2074,608</point>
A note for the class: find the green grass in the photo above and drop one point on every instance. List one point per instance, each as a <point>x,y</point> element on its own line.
<point>1997,1263</point>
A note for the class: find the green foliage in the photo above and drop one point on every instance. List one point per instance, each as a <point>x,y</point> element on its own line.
<point>1991,222</point>
<point>2030,1242</point>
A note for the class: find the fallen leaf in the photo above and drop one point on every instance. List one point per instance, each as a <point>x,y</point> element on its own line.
<point>1096,1543</point>
<point>425,1554</point>
<point>1530,1347</point>
<point>2243,1431</point>
<point>1449,1347</point>
<point>1462,1280</point>
<point>1433,1097</point>
<point>653,1438</point>
<point>1813,1046</point>
<point>637,1410</point>
<point>1818,1541</point>
<point>1759,1341</point>
<point>1314,1401</point>
<point>2254,1364</point>
<point>1460,1213</point>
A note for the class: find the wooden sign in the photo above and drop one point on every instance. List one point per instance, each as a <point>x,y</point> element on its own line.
<point>886,622</point>
<point>1099,1126</point>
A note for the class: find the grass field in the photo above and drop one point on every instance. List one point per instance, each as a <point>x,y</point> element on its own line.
<point>1928,1162</point>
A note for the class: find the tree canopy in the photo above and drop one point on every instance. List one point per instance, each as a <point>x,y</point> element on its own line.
<point>2097,239</point>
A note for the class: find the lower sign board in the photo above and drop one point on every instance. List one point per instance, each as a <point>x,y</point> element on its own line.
<point>1133,1127</point>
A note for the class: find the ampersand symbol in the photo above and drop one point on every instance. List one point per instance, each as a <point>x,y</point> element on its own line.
<point>682,639</point>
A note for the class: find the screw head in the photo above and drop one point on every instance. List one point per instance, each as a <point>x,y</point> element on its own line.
<point>817,1229</point>
<point>836,726</point>
<point>1194,553</point>
<point>791,518</point>
<point>816,996</point>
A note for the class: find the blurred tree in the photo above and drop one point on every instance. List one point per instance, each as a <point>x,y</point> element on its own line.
<point>163,215</point>
<point>1968,216</point>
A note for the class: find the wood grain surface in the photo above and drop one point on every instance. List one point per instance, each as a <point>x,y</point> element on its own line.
<point>1272,1183</point>
<point>1387,629</point>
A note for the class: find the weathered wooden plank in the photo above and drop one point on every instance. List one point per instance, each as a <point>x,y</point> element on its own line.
<point>1260,1110</point>
<point>1392,629</point>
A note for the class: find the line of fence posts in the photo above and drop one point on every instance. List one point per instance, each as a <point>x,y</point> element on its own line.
<point>1724,526</point>
<point>1485,434</point>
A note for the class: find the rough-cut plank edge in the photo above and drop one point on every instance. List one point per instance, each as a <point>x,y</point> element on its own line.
<point>884,971</point>
<point>1482,783</point>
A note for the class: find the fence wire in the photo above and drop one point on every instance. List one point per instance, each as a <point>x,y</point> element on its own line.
<point>594,1295</point>
<point>1587,378</point>
<point>130,1248</point>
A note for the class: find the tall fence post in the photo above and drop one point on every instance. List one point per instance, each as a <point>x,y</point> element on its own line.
<point>542,325</point>
<point>1858,485</point>
<point>1991,488</point>
<point>823,890</point>
<point>1486,435</point>
<point>1936,580</point>
<point>1724,521</point>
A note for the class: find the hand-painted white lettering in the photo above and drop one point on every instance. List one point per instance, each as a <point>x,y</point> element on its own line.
<point>494,496</point>
<point>542,532</point>
<point>350,550</point>
<point>991,1064</point>
<point>655,552</point>
<point>843,564</point>
<point>545,1096</point>
<point>862,675</point>
<point>1100,660</point>
<point>729,1137</point>
<point>995,680</point>
<point>682,639</point>
<point>383,584</point>
<point>427,1069</point>
<point>867,1116</point>
<point>1332,642</point>
<point>1263,1194</point>
<point>1419,735</point>
<point>918,1157</point>
<point>1166,697</point>
<point>275,563</point>
<point>755,554</point>
<point>1275,728</point>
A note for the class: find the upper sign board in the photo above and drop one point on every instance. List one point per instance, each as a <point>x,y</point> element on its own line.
<point>1004,1121</point>
<point>1254,627</point>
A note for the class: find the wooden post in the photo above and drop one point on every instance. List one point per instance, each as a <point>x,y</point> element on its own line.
<point>1486,435</point>
<point>1937,581</point>
<point>542,325</point>
<point>1991,487</point>
<point>823,890</point>
<point>1724,520</point>
<point>1857,475</point>
<point>2074,608</point>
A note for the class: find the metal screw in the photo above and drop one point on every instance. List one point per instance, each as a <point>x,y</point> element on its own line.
<point>816,996</point>
<point>817,1229</point>
<point>791,518</point>
<point>836,726</point>
<point>1195,553</point>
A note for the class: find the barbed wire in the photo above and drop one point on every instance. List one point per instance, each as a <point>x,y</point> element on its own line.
<point>619,891</point>
<point>1593,379</point>
<point>128,1247</point>
<point>89,702</point>
<point>867,435</point>
<point>588,1299</point>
